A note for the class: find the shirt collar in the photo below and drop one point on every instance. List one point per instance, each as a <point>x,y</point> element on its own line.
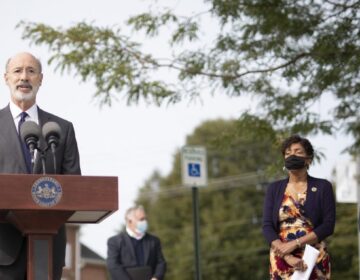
<point>32,112</point>
<point>133,234</point>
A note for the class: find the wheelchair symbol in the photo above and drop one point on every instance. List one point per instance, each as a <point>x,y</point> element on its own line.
<point>194,170</point>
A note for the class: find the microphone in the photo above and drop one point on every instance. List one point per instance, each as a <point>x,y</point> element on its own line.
<point>30,133</point>
<point>52,134</point>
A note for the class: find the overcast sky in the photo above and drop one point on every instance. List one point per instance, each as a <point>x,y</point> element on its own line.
<point>127,142</point>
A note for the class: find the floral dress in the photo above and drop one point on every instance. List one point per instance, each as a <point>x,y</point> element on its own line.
<point>293,224</point>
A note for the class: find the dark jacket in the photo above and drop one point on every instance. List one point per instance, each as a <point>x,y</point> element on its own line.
<point>319,207</point>
<point>121,255</point>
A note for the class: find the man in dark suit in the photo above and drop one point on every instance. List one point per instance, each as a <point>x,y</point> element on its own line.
<point>24,77</point>
<point>134,247</point>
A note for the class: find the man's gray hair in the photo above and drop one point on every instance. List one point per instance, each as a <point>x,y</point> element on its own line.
<point>131,211</point>
<point>37,60</point>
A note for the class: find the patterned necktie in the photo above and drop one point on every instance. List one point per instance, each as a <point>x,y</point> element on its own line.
<point>25,149</point>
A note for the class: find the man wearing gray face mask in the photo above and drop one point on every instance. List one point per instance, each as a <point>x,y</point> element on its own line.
<point>134,253</point>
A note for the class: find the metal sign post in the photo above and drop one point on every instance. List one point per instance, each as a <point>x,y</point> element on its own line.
<point>196,219</point>
<point>194,175</point>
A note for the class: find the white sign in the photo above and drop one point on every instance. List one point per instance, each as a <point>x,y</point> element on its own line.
<point>193,166</point>
<point>346,182</point>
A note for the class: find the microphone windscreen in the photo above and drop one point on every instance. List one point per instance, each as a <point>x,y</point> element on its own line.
<point>30,129</point>
<point>51,129</point>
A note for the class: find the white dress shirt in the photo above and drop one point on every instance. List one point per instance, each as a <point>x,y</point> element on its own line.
<point>16,111</point>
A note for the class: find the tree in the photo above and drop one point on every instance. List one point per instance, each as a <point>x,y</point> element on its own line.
<point>289,54</point>
<point>344,244</point>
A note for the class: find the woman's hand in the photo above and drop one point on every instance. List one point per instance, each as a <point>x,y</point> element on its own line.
<point>296,263</point>
<point>283,248</point>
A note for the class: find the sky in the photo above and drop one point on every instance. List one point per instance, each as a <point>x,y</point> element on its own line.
<point>128,142</point>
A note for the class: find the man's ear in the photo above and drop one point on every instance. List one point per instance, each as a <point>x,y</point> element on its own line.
<point>41,78</point>
<point>6,78</point>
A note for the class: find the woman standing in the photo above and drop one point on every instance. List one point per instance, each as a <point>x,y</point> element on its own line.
<point>298,210</point>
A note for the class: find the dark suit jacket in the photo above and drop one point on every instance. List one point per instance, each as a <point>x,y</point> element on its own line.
<point>319,207</point>
<point>12,161</point>
<point>121,255</point>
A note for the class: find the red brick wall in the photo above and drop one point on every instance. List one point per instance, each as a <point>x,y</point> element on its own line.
<point>94,272</point>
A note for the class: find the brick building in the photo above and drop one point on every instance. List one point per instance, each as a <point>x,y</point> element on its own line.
<point>81,262</point>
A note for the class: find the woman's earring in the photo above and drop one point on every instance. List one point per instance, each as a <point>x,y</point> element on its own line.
<point>284,168</point>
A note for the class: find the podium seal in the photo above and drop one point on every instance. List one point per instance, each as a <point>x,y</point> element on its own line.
<point>46,191</point>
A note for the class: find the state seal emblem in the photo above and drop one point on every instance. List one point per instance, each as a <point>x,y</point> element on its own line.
<point>46,191</point>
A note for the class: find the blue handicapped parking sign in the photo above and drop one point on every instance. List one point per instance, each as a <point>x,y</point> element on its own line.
<point>194,170</point>
<point>193,166</point>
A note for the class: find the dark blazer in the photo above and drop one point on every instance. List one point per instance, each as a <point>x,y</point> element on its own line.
<point>319,207</point>
<point>121,255</point>
<point>12,242</point>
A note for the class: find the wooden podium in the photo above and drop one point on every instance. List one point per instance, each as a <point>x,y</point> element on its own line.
<point>38,205</point>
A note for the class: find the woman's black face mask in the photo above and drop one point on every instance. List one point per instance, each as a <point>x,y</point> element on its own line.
<point>294,162</point>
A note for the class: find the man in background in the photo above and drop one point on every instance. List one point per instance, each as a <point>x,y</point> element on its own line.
<point>134,249</point>
<point>23,75</point>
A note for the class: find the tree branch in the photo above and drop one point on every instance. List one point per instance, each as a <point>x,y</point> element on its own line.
<point>236,76</point>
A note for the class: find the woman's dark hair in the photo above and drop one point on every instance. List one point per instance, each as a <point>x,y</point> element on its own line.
<point>298,139</point>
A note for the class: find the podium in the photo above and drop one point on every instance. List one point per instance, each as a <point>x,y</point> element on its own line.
<point>38,205</point>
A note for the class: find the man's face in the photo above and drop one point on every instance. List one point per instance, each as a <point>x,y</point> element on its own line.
<point>139,215</point>
<point>23,77</point>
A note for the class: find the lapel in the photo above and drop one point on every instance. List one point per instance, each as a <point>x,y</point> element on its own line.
<point>130,246</point>
<point>279,199</point>
<point>311,191</point>
<point>10,136</point>
<point>43,118</point>
<point>146,243</point>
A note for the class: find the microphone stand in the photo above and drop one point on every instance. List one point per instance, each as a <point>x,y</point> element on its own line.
<point>42,154</point>
<point>32,160</point>
<point>32,154</point>
<point>51,147</point>
<point>43,160</point>
<point>32,146</point>
<point>53,151</point>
